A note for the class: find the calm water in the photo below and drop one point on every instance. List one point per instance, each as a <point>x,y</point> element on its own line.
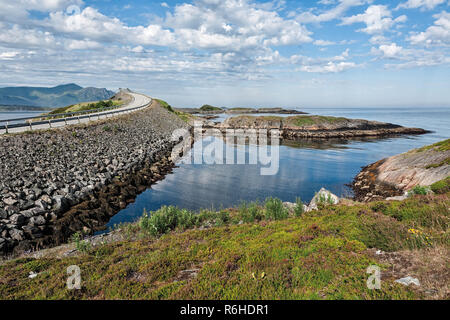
<point>305,166</point>
<point>18,115</point>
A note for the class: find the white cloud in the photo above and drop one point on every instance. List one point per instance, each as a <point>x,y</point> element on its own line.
<point>323,43</point>
<point>229,25</point>
<point>333,64</point>
<point>422,4</point>
<point>83,45</point>
<point>331,14</point>
<point>410,58</point>
<point>8,55</point>
<point>17,37</point>
<point>138,49</point>
<point>91,24</point>
<point>390,51</point>
<point>330,67</point>
<point>378,39</point>
<point>237,23</point>
<point>378,18</point>
<point>17,11</point>
<point>438,34</point>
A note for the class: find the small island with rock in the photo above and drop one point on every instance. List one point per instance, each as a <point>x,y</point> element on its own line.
<point>211,110</point>
<point>312,126</point>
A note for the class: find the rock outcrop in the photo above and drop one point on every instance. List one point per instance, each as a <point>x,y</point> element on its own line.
<point>323,197</point>
<point>318,127</point>
<point>53,183</point>
<point>393,176</point>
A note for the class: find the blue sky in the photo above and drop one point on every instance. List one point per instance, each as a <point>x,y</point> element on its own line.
<point>327,53</point>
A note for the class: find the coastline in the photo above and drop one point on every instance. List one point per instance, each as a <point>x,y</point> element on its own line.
<point>54,182</point>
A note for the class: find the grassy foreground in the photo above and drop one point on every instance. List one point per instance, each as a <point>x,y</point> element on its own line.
<point>256,251</point>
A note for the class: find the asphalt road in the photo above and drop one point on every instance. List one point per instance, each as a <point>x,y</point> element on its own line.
<point>139,100</point>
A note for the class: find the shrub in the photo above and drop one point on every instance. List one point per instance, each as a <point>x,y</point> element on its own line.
<point>80,244</point>
<point>298,209</point>
<point>324,200</point>
<point>186,219</point>
<point>419,190</point>
<point>160,221</point>
<point>223,217</point>
<point>379,207</point>
<point>250,212</point>
<point>275,209</point>
<point>441,187</point>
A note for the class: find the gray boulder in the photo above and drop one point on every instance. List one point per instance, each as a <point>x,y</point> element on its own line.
<point>323,196</point>
<point>17,219</point>
<point>16,234</point>
<point>408,280</point>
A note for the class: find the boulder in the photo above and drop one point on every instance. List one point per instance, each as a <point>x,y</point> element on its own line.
<point>10,201</point>
<point>397,198</point>
<point>61,204</point>
<point>323,196</point>
<point>37,221</point>
<point>17,219</point>
<point>16,234</point>
<point>408,280</point>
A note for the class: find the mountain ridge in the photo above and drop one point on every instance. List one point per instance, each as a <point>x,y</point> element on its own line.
<point>57,96</point>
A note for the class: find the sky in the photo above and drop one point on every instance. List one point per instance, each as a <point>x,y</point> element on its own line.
<point>231,53</point>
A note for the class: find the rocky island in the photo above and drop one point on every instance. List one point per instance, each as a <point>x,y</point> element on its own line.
<point>208,109</point>
<point>299,127</point>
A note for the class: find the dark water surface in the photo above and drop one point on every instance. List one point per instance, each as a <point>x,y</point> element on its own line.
<point>305,166</point>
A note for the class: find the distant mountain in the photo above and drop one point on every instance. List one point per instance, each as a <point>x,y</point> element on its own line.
<point>59,96</point>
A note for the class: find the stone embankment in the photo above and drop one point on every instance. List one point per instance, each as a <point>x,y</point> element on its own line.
<point>55,183</point>
<point>319,127</point>
<point>398,174</point>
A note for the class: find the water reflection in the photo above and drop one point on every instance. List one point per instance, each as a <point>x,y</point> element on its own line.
<point>305,166</point>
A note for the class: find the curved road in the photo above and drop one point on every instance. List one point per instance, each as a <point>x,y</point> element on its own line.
<point>139,100</point>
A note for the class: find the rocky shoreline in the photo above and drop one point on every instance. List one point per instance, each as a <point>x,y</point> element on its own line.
<point>393,176</point>
<point>195,111</point>
<point>54,183</point>
<point>316,127</point>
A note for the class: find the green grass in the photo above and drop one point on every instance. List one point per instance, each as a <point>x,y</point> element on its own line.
<point>256,118</point>
<point>304,121</point>
<point>254,251</point>
<point>165,105</point>
<point>440,164</point>
<point>299,210</point>
<point>441,187</point>
<point>182,115</point>
<point>241,109</point>
<point>439,146</point>
<point>208,107</point>
<point>86,106</point>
